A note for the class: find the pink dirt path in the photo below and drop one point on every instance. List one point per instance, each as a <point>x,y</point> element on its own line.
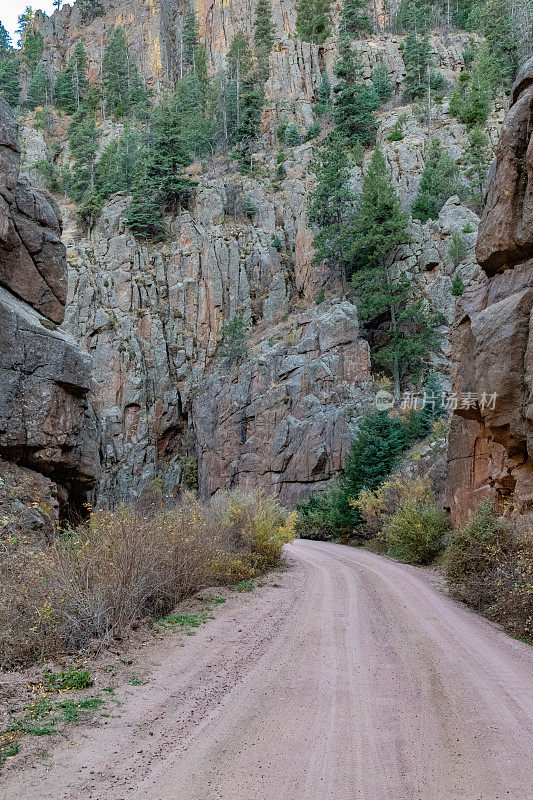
<point>354,679</point>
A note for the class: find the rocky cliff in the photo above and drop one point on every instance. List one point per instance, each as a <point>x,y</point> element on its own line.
<point>150,315</point>
<point>48,432</point>
<point>491,442</point>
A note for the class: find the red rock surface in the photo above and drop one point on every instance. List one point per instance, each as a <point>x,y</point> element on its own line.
<point>490,452</point>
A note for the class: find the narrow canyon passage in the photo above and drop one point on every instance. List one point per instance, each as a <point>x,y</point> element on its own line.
<point>353,679</point>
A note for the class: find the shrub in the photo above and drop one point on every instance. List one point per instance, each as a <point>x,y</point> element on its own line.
<point>379,506</point>
<point>458,287</point>
<point>489,565</point>
<point>396,134</point>
<point>415,533</point>
<point>94,581</point>
<point>457,249</point>
<point>233,345</point>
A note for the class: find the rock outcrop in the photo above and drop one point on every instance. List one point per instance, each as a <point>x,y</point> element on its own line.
<point>46,424</point>
<point>491,442</point>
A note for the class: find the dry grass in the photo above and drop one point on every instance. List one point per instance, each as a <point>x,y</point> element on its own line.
<point>93,581</point>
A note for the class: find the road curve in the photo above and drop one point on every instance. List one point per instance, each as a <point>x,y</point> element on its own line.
<point>353,679</point>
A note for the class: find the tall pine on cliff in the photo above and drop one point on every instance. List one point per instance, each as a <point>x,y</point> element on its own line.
<point>9,69</point>
<point>313,20</point>
<point>417,60</point>
<point>190,38</point>
<point>403,333</point>
<point>354,19</point>
<point>40,88</point>
<point>244,99</point>
<point>71,84</point>
<point>329,206</point>
<point>123,88</point>
<point>355,101</point>
<point>263,37</point>
<point>32,49</point>
<point>440,181</point>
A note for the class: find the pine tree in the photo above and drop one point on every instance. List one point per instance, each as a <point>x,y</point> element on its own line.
<point>5,44</point>
<point>122,165</point>
<point>382,83</point>
<point>120,77</point>
<point>144,217</point>
<point>263,37</point>
<point>169,154</point>
<point>355,101</point>
<point>417,15</point>
<point>233,344</point>
<point>39,90</point>
<point>244,98</point>
<point>458,287</point>
<point>379,225</point>
<point>407,332</point>
<point>329,203</point>
<point>417,60</point>
<point>90,9</point>
<point>324,95</point>
<point>9,81</point>
<point>32,50</point>
<point>440,181</point>
<point>313,20</point>
<point>190,37</point>
<point>71,84</point>
<point>83,143</point>
<point>472,98</point>
<point>433,407</point>
<point>24,21</point>
<point>354,19</point>
<point>497,28</point>
<point>477,158</point>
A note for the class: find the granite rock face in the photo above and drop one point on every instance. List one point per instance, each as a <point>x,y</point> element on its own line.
<point>490,453</point>
<point>280,420</point>
<point>46,424</point>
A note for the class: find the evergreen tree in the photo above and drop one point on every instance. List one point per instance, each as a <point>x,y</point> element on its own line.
<point>144,217</point>
<point>497,28</point>
<point>292,135</point>
<point>417,60</point>
<point>122,165</point>
<point>477,158</point>
<point>406,333</point>
<point>324,95</point>
<point>71,84</point>
<point>39,90</point>
<point>432,407</point>
<point>233,344</point>
<point>90,9</point>
<point>354,19</point>
<point>382,83</point>
<point>32,50</point>
<point>417,15</point>
<point>458,287</point>
<point>190,37</point>
<point>169,154</point>
<point>379,225</point>
<point>355,101</point>
<point>24,21</point>
<point>329,203</point>
<point>440,181</point>
<point>9,81</point>
<point>244,99</point>
<point>472,98</point>
<point>83,143</point>
<point>263,37</point>
<point>5,44</point>
<point>313,20</point>
<point>120,77</point>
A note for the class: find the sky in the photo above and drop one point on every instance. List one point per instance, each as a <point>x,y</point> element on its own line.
<point>10,10</point>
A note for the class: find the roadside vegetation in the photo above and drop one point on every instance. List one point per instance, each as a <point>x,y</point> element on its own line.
<point>91,583</point>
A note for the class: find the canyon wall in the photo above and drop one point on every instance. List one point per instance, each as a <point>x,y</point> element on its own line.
<point>48,431</point>
<point>150,315</point>
<point>491,443</point>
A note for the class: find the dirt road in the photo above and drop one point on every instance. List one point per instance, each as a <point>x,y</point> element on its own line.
<point>352,680</point>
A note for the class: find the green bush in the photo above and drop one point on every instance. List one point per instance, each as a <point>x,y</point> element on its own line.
<point>416,532</point>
